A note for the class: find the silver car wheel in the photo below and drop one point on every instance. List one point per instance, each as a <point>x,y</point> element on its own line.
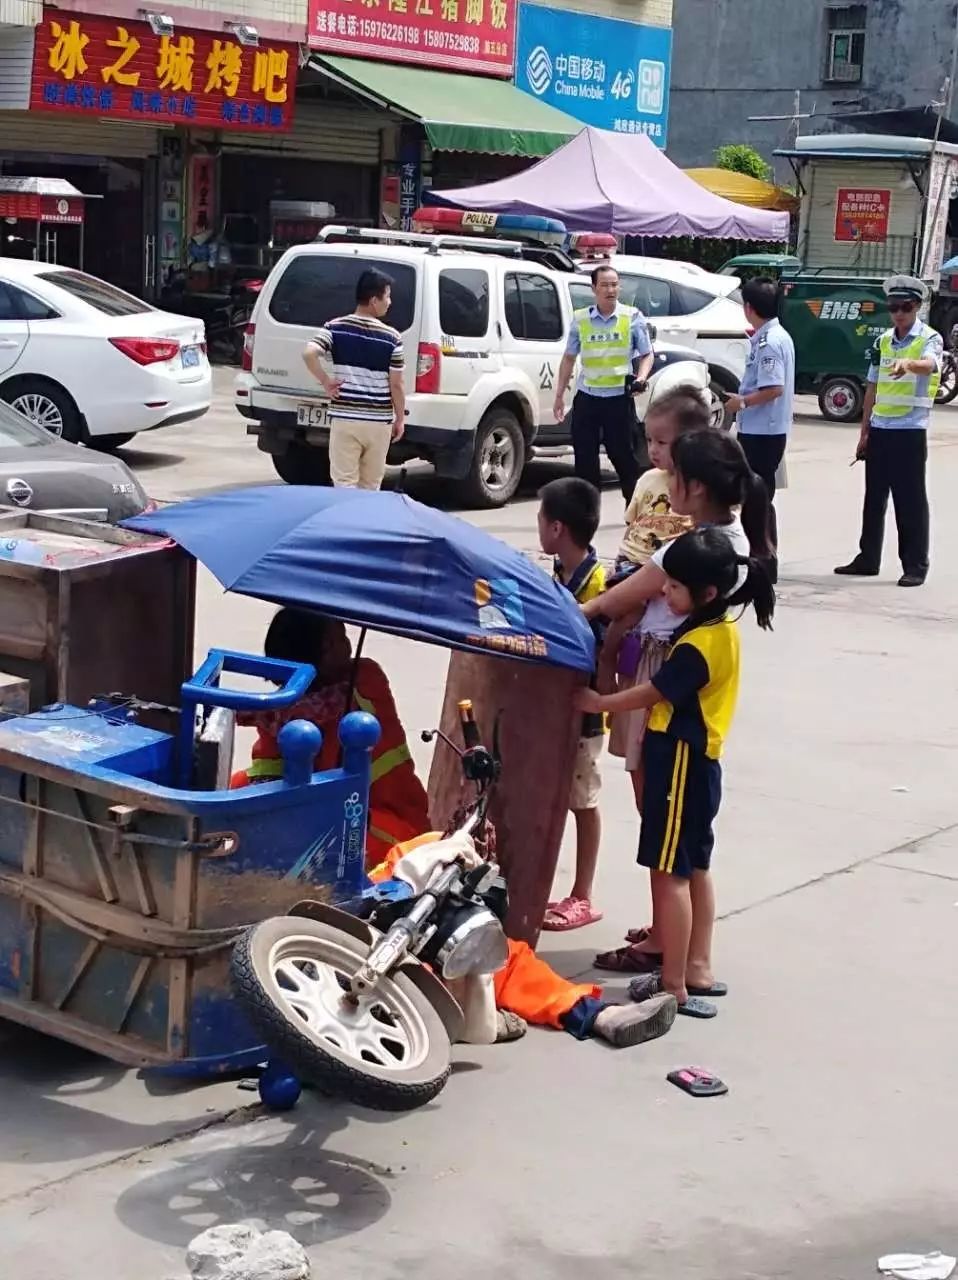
<point>498,460</point>
<point>41,410</point>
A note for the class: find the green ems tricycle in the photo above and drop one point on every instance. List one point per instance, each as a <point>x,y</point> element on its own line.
<point>871,206</point>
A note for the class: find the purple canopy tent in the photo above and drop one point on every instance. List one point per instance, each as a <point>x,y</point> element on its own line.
<point>618,182</point>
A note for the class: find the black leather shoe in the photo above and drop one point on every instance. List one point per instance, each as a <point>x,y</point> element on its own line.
<point>911,580</point>
<point>857,569</point>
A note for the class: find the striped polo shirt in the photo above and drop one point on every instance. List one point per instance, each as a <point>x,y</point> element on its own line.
<point>363,351</point>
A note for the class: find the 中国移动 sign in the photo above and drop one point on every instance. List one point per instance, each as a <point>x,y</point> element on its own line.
<point>604,72</point>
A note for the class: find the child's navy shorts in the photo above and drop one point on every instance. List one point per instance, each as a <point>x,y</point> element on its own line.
<point>682,791</point>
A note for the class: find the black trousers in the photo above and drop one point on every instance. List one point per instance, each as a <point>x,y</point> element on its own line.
<point>609,421</point>
<point>895,464</point>
<point>764,455</point>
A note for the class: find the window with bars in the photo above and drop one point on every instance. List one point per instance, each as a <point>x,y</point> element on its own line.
<point>845,43</point>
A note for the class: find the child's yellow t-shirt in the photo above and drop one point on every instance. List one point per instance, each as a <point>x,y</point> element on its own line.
<point>650,521</point>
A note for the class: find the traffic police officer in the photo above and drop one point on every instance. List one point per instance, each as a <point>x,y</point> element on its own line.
<point>613,343</point>
<point>765,399</point>
<point>903,376</point>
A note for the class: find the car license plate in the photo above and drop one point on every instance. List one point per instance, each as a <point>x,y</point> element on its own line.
<point>312,415</point>
<point>190,357</point>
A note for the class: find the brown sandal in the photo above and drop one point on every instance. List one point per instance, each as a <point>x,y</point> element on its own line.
<point>628,960</point>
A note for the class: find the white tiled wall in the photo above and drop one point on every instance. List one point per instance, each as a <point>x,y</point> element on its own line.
<point>21,13</point>
<point>653,13</point>
<point>291,11</point>
<point>656,13</point>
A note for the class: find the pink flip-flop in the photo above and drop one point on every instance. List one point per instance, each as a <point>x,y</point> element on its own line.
<point>570,913</point>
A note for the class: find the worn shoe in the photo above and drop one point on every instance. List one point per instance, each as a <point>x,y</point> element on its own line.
<point>857,569</point>
<point>911,580</point>
<point>624,1025</point>
<point>509,1026</point>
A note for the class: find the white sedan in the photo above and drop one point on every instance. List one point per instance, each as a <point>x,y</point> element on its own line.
<point>91,363</point>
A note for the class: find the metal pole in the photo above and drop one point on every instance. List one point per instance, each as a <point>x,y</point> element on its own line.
<point>947,94</point>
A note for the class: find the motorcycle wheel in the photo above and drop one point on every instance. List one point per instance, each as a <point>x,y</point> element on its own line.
<point>948,387</point>
<point>390,1052</point>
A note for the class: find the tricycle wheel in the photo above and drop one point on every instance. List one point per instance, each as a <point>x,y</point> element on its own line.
<point>389,1051</point>
<point>840,399</point>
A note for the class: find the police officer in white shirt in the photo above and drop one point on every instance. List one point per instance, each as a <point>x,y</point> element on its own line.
<point>903,377</point>
<point>766,396</point>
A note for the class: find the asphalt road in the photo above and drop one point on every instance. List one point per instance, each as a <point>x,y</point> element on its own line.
<point>837,875</point>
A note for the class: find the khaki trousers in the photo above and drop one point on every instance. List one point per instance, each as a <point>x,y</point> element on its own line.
<point>357,453</point>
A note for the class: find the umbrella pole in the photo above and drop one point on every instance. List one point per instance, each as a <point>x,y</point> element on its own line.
<point>353,677</point>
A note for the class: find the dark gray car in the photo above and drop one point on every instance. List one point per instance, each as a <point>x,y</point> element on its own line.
<point>41,473</point>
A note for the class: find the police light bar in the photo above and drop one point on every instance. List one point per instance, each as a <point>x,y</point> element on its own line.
<point>591,244</point>
<point>525,226</point>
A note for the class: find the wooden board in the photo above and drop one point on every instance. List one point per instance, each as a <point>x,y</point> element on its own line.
<point>538,734</point>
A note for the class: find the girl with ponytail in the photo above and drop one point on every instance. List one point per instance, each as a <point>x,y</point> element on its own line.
<point>692,699</point>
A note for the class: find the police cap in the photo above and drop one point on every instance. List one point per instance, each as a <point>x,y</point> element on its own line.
<point>908,287</point>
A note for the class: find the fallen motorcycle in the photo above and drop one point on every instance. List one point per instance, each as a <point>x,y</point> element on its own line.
<point>352,1002</point>
<point>948,386</point>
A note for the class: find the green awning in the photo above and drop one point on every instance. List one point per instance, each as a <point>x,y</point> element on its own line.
<point>458,112</point>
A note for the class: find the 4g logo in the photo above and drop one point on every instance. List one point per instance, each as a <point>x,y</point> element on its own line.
<point>833,309</point>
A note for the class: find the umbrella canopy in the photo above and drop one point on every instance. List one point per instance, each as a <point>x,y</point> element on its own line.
<point>618,182</point>
<point>381,560</point>
<point>743,189</point>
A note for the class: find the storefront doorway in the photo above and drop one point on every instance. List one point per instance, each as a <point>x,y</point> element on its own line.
<point>114,226</point>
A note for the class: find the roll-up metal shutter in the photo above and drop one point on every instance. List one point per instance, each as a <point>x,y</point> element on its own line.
<point>823,181</point>
<point>319,132</point>
<point>51,135</point>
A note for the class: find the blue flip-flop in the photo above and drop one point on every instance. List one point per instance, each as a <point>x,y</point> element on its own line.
<point>696,1007</point>
<point>647,985</point>
<point>715,991</point>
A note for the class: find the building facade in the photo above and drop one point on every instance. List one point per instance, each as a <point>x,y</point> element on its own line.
<point>206,139</point>
<point>736,59</point>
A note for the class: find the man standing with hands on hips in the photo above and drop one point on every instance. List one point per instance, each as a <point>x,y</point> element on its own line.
<point>903,377</point>
<point>613,344</point>
<point>765,399</point>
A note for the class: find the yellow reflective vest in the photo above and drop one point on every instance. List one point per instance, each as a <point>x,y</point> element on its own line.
<point>897,397</point>
<point>605,350</point>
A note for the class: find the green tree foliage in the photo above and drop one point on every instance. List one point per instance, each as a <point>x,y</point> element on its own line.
<point>741,158</point>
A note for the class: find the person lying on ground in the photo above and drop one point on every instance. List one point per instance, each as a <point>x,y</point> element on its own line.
<point>527,990</point>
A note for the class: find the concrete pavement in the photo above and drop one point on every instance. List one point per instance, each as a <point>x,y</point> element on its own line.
<point>837,873</point>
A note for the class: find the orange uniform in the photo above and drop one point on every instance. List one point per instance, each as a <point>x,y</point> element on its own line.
<point>398,808</point>
<point>525,984</point>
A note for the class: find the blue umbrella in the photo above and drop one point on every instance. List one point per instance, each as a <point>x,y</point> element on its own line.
<point>384,561</point>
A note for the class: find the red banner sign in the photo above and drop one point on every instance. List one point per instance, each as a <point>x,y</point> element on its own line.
<point>467,35</point>
<point>861,213</point>
<point>121,70</point>
<point>34,208</point>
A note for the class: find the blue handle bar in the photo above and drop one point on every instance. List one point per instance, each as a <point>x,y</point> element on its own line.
<point>294,679</point>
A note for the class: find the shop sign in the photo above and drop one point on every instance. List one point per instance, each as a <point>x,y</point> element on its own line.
<point>603,71</point>
<point>107,67</point>
<point>410,183</point>
<point>461,35</point>
<point>36,208</point>
<point>862,214</point>
<point>202,195</point>
<point>171,202</point>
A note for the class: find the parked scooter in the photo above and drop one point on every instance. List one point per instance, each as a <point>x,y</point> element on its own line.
<point>347,1000</point>
<point>224,313</point>
<point>948,387</point>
